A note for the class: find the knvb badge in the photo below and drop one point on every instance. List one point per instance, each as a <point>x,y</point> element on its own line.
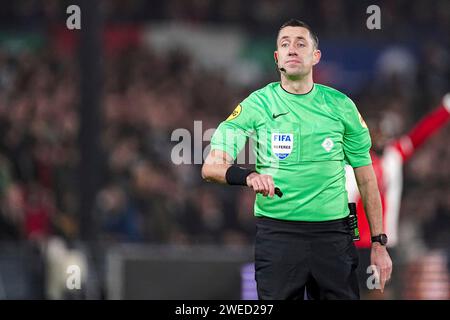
<point>282,144</point>
<point>327,144</point>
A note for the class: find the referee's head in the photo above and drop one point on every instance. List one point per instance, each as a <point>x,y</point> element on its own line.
<point>297,48</point>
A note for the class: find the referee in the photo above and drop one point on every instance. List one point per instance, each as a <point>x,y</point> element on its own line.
<point>304,135</point>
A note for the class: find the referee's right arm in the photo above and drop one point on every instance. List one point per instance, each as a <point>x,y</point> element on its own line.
<point>226,143</point>
<point>218,167</point>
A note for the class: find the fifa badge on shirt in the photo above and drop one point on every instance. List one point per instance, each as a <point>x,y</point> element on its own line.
<point>282,144</point>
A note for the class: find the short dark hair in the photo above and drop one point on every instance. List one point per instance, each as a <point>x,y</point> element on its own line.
<point>299,23</point>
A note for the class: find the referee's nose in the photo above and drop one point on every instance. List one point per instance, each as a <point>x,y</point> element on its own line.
<point>292,51</point>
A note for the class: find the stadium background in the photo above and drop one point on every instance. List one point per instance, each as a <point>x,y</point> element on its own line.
<point>86,118</point>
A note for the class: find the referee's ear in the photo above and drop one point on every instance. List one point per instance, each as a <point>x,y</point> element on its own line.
<point>275,56</point>
<point>317,54</point>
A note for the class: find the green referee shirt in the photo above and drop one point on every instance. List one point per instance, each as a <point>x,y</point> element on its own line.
<point>303,141</point>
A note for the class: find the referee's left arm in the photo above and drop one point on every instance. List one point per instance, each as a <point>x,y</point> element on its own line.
<point>357,145</point>
<point>370,196</point>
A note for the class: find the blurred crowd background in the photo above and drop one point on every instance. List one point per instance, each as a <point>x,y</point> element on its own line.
<point>151,87</point>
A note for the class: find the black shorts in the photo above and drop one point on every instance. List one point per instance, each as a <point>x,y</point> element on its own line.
<point>297,259</point>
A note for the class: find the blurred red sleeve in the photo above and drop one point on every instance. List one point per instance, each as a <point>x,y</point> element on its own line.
<point>424,129</point>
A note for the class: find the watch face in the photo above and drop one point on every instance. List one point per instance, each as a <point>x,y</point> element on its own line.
<point>382,239</point>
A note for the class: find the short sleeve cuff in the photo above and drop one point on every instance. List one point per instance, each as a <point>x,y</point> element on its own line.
<point>359,161</point>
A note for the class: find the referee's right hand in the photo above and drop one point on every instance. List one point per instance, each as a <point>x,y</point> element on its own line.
<point>261,183</point>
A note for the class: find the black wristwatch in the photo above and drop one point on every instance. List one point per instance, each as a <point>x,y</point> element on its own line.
<point>381,238</point>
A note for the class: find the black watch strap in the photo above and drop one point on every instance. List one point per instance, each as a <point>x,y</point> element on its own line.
<point>381,238</point>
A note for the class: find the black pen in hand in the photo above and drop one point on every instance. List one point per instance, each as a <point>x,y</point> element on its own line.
<point>278,192</point>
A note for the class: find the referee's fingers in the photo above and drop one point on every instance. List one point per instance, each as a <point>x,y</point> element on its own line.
<point>265,184</point>
<point>388,273</point>
<point>255,185</point>
<point>382,279</point>
<point>271,186</point>
<point>259,186</point>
